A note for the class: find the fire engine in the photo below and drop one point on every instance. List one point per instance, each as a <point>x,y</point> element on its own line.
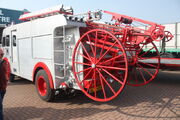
<point>58,50</point>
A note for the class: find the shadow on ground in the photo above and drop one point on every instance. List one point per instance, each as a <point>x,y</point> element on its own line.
<point>20,81</point>
<point>160,96</point>
<point>27,113</point>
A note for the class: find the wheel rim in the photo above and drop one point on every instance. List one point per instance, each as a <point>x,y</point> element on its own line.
<point>145,67</point>
<point>42,86</point>
<point>97,57</point>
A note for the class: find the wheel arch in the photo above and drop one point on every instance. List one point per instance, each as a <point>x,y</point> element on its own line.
<point>43,66</point>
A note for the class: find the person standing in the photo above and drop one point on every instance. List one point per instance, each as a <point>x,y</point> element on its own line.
<point>4,77</point>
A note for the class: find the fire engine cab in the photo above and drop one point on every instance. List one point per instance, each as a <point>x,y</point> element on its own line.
<point>40,49</point>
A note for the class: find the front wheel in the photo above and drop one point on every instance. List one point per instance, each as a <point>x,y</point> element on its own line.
<point>12,76</point>
<point>43,86</point>
<point>100,65</point>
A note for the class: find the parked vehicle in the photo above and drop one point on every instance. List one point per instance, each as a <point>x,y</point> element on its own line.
<point>61,51</point>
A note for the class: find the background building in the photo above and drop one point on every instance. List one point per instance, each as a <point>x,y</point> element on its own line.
<point>8,16</point>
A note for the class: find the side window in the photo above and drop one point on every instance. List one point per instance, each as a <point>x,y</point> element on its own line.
<point>3,41</point>
<point>14,40</point>
<point>7,40</point>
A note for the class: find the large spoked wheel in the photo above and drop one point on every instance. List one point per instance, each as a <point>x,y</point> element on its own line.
<point>145,66</point>
<point>100,65</point>
<point>43,86</point>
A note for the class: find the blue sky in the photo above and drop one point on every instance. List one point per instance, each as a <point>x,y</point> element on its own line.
<point>160,11</point>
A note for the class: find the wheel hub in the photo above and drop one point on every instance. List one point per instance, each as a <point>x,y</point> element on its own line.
<point>93,65</point>
<point>42,86</point>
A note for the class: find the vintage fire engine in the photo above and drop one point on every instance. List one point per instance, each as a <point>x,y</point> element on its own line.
<point>61,51</point>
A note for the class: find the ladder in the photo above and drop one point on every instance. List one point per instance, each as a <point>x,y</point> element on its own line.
<point>60,54</point>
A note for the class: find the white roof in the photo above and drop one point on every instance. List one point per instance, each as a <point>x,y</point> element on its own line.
<point>46,12</point>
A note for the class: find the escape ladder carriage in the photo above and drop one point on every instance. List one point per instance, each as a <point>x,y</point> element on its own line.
<point>116,54</point>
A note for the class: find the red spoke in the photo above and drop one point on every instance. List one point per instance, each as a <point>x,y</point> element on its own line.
<point>102,85</point>
<point>107,83</point>
<point>95,87</point>
<point>145,70</point>
<point>112,58</point>
<point>154,66</point>
<point>86,76</point>
<point>83,55</point>
<point>103,46</point>
<point>83,63</point>
<point>95,46</point>
<point>91,44</point>
<point>112,76</point>
<point>146,52</point>
<point>121,75</point>
<point>107,51</point>
<point>108,67</point>
<point>90,86</point>
<point>86,51</point>
<point>142,75</point>
<point>83,70</point>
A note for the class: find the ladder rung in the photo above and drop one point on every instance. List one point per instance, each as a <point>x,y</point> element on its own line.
<point>58,50</point>
<point>59,64</point>
<point>59,77</point>
<point>59,37</point>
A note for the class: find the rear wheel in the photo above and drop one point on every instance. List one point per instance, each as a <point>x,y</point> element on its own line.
<point>43,86</point>
<point>146,64</point>
<point>167,55</point>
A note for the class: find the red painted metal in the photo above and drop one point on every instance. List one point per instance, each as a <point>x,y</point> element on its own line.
<point>155,31</point>
<point>42,86</point>
<point>96,64</point>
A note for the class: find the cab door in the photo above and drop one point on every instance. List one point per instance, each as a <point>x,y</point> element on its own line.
<point>14,53</point>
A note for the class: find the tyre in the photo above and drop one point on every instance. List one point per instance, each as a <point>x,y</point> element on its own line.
<point>43,86</point>
<point>12,76</point>
<point>167,55</point>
